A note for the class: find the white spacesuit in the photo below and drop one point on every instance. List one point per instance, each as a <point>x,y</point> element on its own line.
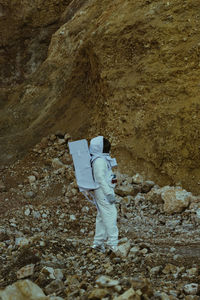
<point>106,220</point>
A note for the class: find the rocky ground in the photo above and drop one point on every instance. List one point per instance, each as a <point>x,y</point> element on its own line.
<point>47,227</point>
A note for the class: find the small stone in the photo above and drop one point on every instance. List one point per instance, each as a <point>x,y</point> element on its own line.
<point>29,195</point>
<point>54,286</point>
<point>21,242</point>
<point>124,249</point>
<point>164,296</point>
<point>133,251</point>
<point>23,289</point>
<point>105,281</point>
<point>127,190</point>
<point>128,295</point>
<point>191,289</point>
<point>147,186</point>
<point>31,179</point>
<point>98,293</point>
<point>72,217</point>
<point>155,270</point>
<point>57,164</point>
<point>27,212</point>
<point>138,179</point>
<point>192,272</point>
<point>25,271</point>
<point>2,186</point>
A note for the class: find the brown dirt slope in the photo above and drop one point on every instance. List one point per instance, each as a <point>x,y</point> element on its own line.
<point>126,69</point>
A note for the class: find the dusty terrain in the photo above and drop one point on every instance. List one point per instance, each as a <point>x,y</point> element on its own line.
<point>126,69</point>
<point>46,222</point>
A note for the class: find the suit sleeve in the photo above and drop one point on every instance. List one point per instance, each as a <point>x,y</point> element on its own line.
<point>100,174</point>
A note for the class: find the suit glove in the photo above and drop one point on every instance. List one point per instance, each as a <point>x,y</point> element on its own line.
<point>111,198</point>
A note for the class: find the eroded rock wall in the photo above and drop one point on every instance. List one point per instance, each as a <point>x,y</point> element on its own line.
<point>125,69</point>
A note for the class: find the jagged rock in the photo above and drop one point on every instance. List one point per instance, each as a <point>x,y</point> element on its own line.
<point>147,186</point>
<point>124,249</point>
<point>31,179</point>
<point>164,296</point>
<point>137,178</point>
<point>154,196</point>
<point>57,164</point>
<point>21,241</point>
<point>25,290</point>
<point>191,289</point>
<point>98,293</point>
<point>105,281</point>
<point>155,270</point>
<point>25,271</point>
<point>127,190</point>
<point>30,195</point>
<point>175,199</point>
<point>54,286</point>
<point>192,272</point>
<point>134,251</point>
<point>129,295</point>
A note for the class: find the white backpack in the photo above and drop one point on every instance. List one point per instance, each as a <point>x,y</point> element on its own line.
<point>82,165</point>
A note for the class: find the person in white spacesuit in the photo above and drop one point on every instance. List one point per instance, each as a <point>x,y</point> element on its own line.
<point>106,220</point>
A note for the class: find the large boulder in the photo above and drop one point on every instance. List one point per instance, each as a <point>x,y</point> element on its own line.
<point>175,199</point>
<point>25,290</point>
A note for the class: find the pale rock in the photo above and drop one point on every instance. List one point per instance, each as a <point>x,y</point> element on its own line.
<point>85,209</point>
<point>61,141</point>
<point>172,249</point>
<point>72,217</point>
<point>175,199</point>
<point>198,213</point>
<point>192,272</point>
<point>124,249</point>
<point>137,178</point>
<point>139,198</point>
<point>191,288</point>
<point>164,296</point>
<point>169,268</point>
<point>57,164</point>
<point>25,271</point>
<point>58,273</point>
<point>128,295</point>
<point>67,137</point>
<point>42,244</point>
<point>49,272</point>
<point>36,214</point>
<point>22,290</point>
<point>27,212</point>
<point>98,293</point>
<point>54,286</point>
<point>144,251</point>
<point>126,190</point>
<point>134,251</point>
<point>52,137</point>
<point>123,240</point>
<point>156,270</point>
<point>147,186</point>
<point>105,281</point>
<point>118,288</point>
<point>31,179</point>
<point>154,196</point>
<point>21,241</point>
<point>30,195</point>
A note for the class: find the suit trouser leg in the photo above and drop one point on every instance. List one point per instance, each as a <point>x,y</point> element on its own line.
<point>106,223</point>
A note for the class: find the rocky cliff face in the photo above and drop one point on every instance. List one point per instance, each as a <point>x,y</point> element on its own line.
<point>125,69</point>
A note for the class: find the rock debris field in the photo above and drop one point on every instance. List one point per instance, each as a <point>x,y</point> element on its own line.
<point>47,228</point>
